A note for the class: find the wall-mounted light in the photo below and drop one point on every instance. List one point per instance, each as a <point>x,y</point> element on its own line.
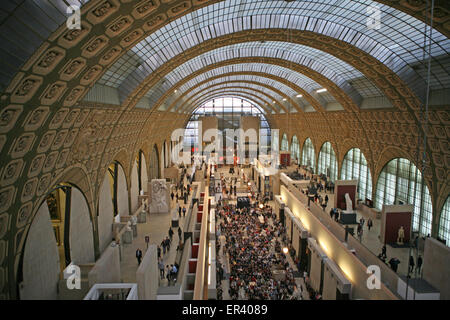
<point>285,250</point>
<point>321,90</point>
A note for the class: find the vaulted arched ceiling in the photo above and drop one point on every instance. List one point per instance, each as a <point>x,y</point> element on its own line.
<point>133,46</point>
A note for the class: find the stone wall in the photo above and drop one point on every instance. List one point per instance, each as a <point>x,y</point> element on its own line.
<point>41,259</point>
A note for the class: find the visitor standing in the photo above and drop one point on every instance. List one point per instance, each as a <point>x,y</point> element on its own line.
<point>161,269</point>
<point>139,256</point>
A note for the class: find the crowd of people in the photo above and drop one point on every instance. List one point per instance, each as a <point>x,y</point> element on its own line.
<point>259,270</point>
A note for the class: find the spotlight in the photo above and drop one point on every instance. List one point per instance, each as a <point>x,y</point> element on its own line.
<point>285,250</point>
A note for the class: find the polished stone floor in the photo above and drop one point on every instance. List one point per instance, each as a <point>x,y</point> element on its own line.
<point>157,228</point>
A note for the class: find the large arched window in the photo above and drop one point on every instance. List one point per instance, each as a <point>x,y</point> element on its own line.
<point>327,164</point>
<point>228,111</point>
<point>355,167</point>
<point>444,223</point>
<point>295,149</point>
<point>308,154</point>
<point>400,181</point>
<point>284,143</point>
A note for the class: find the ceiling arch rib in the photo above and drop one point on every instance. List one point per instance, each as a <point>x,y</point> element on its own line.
<point>284,69</point>
<point>345,21</point>
<point>263,102</point>
<point>286,51</point>
<point>173,100</point>
<point>256,81</point>
<point>54,15</point>
<point>392,86</point>
<point>249,97</point>
<point>219,93</point>
<point>280,95</point>
<point>274,107</point>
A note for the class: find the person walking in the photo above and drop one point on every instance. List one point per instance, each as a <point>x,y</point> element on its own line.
<point>179,233</point>
<point>168,243</point>
<point>168,274</point>
<point>184,211</point>
<point>170,234</point>
<point>139,256</point>
<point>369,223</point>
<point>163,245</point>
<point>179,212</point>
<point>159,252</point>
<point>411,264</point>
<point>161,269</point>
<point>419,264</point>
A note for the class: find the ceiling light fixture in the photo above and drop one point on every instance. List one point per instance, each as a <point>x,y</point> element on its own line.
<point>299,95</point>
<point>321,90</point>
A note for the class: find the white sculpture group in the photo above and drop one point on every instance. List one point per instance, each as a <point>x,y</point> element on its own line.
<point>159,196</point>
<point>349,203</point>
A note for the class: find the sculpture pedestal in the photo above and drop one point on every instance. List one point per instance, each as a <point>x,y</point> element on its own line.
<point>347,217</point>
<point>127,237</point>
<point>174,223</point>
<point>142,217</point>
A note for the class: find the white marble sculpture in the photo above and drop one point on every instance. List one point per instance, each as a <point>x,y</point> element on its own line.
<point>349,203</point>
<point>401,235</point>
<point>159,196</point>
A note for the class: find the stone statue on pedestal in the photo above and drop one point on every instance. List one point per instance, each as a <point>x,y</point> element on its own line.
<point>401,235</point>
<point>348,203</point>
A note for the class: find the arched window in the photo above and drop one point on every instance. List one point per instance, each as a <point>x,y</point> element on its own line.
<point>355,167</point>
<point>308,154</point>
<point>228,111</point>
<point>327,163</point>
<point>295,149</point>
<point>401,182</point>
<point>284,143</point>
<point>444,223</point>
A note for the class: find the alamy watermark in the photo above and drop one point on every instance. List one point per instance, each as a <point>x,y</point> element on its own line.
<point>73,280</point>
<point>74,19</point>
<point>374,17</point>
<point>374,280</point>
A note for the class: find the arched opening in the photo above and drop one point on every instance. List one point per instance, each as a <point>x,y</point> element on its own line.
<point>61,234</point>
<point>401,182</point>
<point>228,111</point>
<point>444,223</point>
<point>154,164</point>
<point>119,190</point>
<point>143,175</point>
<point>327,164</point>
<point>134,186</point>
<point>308,155</point>
<point>354,167</point>
<point>295,149</point>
